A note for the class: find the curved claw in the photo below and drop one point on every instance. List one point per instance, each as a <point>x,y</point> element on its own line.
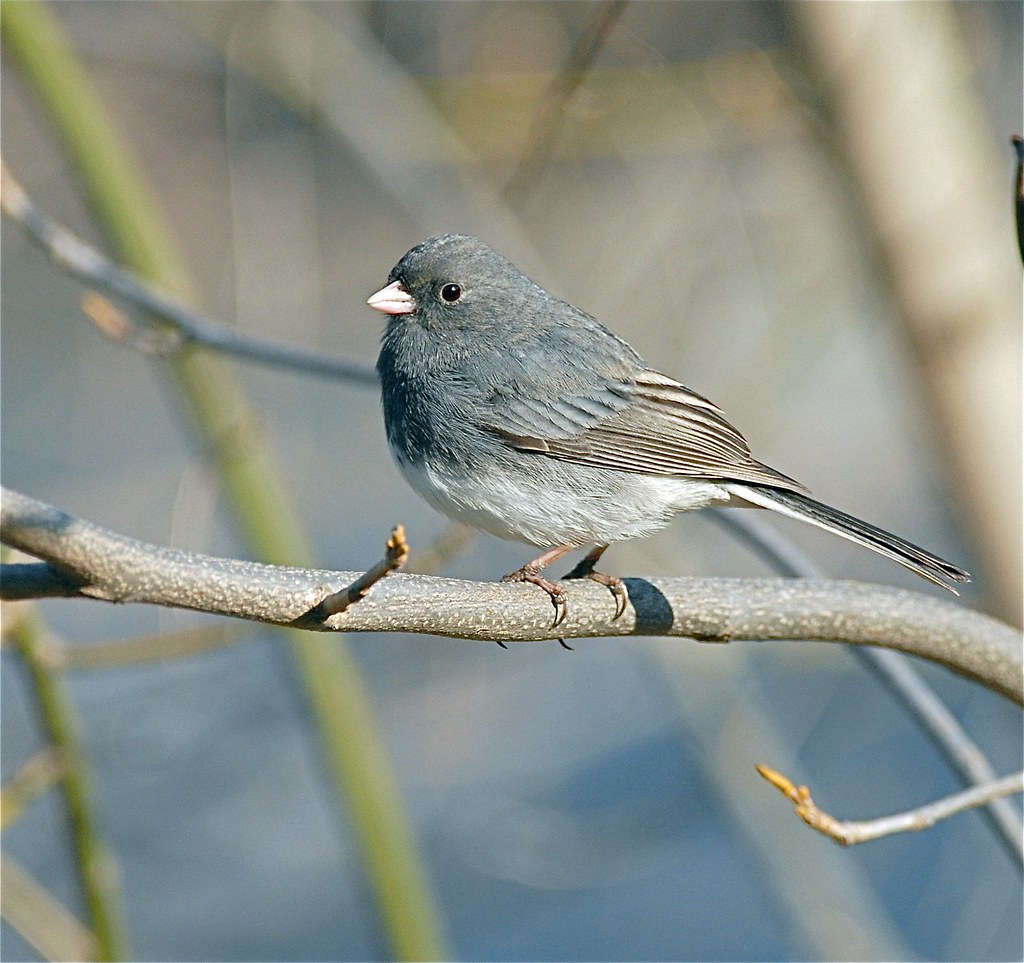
<point>561,604</point>
<point>616,586</point>
<point>558,597</point>
<point>618,589</point>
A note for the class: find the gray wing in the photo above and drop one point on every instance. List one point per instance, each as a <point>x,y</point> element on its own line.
<point>557,380</point>
<point>643,422</point>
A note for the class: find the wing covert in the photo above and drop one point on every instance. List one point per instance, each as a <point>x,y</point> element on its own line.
<point>662,429</point>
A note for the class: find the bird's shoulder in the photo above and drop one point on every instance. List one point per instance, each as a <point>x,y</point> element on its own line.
<point>559,374</point>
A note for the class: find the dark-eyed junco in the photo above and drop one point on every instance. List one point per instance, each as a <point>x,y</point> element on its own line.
<point>519,414</point>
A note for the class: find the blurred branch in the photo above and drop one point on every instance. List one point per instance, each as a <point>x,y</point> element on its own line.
<point>96,870</point>
<point>189,327</point>
<point>966,756</point>
<point>35,778</point>
<point>148,649</point>
<point>450,544</point>
<point>896,673</point>
<point>849,833</point>
<point>115,568</point>
<point>45,924</point>
<point>540,142</point>
<point>358,81</point>
<point>357,762</point>
<point>729,718</point>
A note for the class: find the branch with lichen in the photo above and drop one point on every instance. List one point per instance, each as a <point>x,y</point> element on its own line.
<point>94,562</point>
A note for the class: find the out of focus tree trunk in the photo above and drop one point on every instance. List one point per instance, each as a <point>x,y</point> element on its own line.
<point>938,199</point>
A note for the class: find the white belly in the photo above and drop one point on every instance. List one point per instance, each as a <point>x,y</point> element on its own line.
<point>559,503</point>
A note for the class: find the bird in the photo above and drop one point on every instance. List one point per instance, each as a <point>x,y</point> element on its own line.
<point>514,412</point>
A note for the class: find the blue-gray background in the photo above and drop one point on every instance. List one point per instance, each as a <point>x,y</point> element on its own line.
<point>599,804</point>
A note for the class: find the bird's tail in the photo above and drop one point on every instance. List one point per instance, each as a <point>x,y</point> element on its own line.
<point>924,563</point>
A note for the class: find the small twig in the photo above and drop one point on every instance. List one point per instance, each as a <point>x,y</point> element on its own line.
<point>450,544</point>
<point>87,264</point>
<point>114,324</point>
<point>35,778</point>
<point>540,141</point>
<point>966,757</point>
<point>849,833</point>
<point>396,552</point>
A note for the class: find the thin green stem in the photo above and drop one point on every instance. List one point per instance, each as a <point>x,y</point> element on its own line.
<point>97,873</point>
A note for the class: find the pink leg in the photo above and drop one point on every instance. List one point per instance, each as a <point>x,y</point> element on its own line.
<point>530,572</point>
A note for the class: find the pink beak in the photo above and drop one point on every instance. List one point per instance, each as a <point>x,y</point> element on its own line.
<point>394,299</point>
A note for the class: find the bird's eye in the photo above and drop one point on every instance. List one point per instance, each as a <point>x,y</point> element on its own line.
<point>451,293</point>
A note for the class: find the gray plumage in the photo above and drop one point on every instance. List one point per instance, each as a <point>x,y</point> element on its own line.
<point>520,414</point>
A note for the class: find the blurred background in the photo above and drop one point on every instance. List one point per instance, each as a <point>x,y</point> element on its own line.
<point>802,211</point>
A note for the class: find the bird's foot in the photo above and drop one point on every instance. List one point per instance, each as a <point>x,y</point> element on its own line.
<point>585,569</point>
<point>531,573</point>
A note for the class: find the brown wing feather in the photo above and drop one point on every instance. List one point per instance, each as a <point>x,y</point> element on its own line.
<point>665,430</point>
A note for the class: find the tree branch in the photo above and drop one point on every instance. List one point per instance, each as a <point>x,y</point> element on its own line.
<point>87,264</point>
<point>105,565</point>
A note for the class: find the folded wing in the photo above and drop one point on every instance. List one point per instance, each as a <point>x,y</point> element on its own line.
<point>650,425</point>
